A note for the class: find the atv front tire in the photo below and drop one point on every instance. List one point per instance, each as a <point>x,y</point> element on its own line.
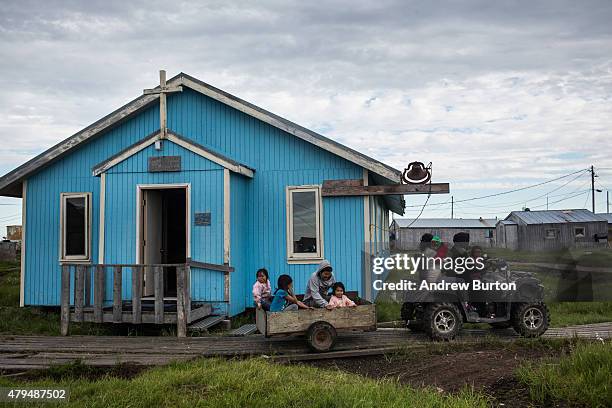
<point>442,321</point>
<point>530,319</point>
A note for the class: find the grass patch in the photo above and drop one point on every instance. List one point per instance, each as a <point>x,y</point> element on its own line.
<point>9,283</point>
<point>253,383</point>
<point>582,377</point>
<point>387,311</point>
<point>573,313</point>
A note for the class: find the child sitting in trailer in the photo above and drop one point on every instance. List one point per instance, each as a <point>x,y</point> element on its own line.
<point>262,292</point>
<point>284,300</point>
<point>338,298</point>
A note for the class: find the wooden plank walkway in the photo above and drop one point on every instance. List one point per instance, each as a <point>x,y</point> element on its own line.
<point>20,353</point>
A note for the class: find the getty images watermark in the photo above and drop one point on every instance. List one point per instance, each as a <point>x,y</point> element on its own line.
<point>433,267</point>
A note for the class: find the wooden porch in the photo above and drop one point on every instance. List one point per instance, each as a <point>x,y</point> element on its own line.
<point>89,281</point>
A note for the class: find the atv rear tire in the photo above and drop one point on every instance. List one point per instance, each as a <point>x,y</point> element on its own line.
<point>442,321</point>
<point>530,319</point>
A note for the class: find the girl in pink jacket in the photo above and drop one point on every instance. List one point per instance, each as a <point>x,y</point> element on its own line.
<point>339,299</point>
<point>262,292</point>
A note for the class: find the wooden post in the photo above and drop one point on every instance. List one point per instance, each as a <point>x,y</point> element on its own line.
<point>136,294</point>
<point>99,290</point>
<point>117,304</point>
<point>181,323</point>
<point>158,278</point>
<point>188,293</point>
<point>65,305</point>
<point>79,288</point>
<point>87,286</point>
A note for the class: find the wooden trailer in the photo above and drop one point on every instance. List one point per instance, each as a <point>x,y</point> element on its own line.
<point>319,325</point>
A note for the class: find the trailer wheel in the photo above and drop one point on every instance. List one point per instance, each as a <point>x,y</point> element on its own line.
<point>321,336</point>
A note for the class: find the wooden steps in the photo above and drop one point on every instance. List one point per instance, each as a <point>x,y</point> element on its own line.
<point>206,323</point>
<point>244,330</point>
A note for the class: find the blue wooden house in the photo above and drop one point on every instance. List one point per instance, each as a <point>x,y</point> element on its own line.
<point>179,196</point>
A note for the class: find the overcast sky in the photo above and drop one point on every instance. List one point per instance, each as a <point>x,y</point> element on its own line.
<point>498,95</point>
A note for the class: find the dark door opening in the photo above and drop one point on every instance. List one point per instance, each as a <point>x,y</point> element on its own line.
<point>164,234</point>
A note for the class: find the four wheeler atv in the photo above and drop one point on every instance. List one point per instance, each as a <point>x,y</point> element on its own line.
<point>441,314</point>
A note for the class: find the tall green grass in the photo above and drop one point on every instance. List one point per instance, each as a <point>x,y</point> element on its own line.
<point>250,383</point>
<point>581,378</point>
<point>573,313</point>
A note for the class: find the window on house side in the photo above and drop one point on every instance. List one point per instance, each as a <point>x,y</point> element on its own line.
<point>304,226</point>
<point>551,233</point>
<point>579,232</point>
<point>75,226</point>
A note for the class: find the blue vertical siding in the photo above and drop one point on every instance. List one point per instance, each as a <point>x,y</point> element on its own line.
<point>280,160</point>
<point>71,174</point>
<point>258,205</point>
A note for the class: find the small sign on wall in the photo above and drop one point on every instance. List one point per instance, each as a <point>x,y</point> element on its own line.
<point>202,219</point>
<point>164,163</point>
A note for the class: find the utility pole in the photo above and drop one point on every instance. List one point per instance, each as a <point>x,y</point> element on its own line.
<point>452,207</point>
<point>593,187</point>
<point>546,202</point>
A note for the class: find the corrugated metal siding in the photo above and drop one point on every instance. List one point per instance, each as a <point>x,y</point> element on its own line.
<point>410,238</point>
<point>533,237</point>
<point>553,216</point>
<point>71,174</point>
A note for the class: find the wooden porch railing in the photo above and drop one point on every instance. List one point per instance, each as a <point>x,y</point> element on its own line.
<point>85,311</point>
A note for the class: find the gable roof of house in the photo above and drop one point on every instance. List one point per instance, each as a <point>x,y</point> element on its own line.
<point>556,216</point>
<point>182,141</point>
<point>606,216</point>
<point>11,182</point>
<point>462,223</point>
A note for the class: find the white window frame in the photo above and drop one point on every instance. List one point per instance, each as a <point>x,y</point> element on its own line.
<point>309,257</point>
<point>88,205</point>
<point>556,231</point>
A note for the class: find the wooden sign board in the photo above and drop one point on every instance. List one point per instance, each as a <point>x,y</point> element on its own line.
<point>338,188</point>
<point>164,163</point>
<point>202,219</point>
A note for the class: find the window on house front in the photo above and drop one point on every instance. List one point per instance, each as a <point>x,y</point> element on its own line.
<point>579,232</point>
<point>489,233</point>
<point>304,226</point>
<point>75,217</point>
<point>551,233</point>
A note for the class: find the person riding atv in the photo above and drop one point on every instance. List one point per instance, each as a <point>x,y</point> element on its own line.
<point>441,313</point>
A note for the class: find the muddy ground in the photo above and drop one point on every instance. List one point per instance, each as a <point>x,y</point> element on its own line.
<point>487,369</point>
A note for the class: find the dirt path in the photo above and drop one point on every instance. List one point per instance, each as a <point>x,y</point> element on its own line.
<point>487,369</point>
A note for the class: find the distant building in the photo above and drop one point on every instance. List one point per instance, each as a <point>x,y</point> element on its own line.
<point>608,217</point>
<point>407,233</point>
<point>13,232</point>
<point>552,230</point>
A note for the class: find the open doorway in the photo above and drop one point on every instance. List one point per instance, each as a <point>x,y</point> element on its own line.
<point>163,233</point>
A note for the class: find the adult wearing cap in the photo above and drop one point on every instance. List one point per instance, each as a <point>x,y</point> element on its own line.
<point>319,285</point>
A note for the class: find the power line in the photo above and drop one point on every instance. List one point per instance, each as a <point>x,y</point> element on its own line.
<point>507,192</point>
<point>535,198</point>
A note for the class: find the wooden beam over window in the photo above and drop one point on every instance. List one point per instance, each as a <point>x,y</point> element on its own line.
<point>349,187</point>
